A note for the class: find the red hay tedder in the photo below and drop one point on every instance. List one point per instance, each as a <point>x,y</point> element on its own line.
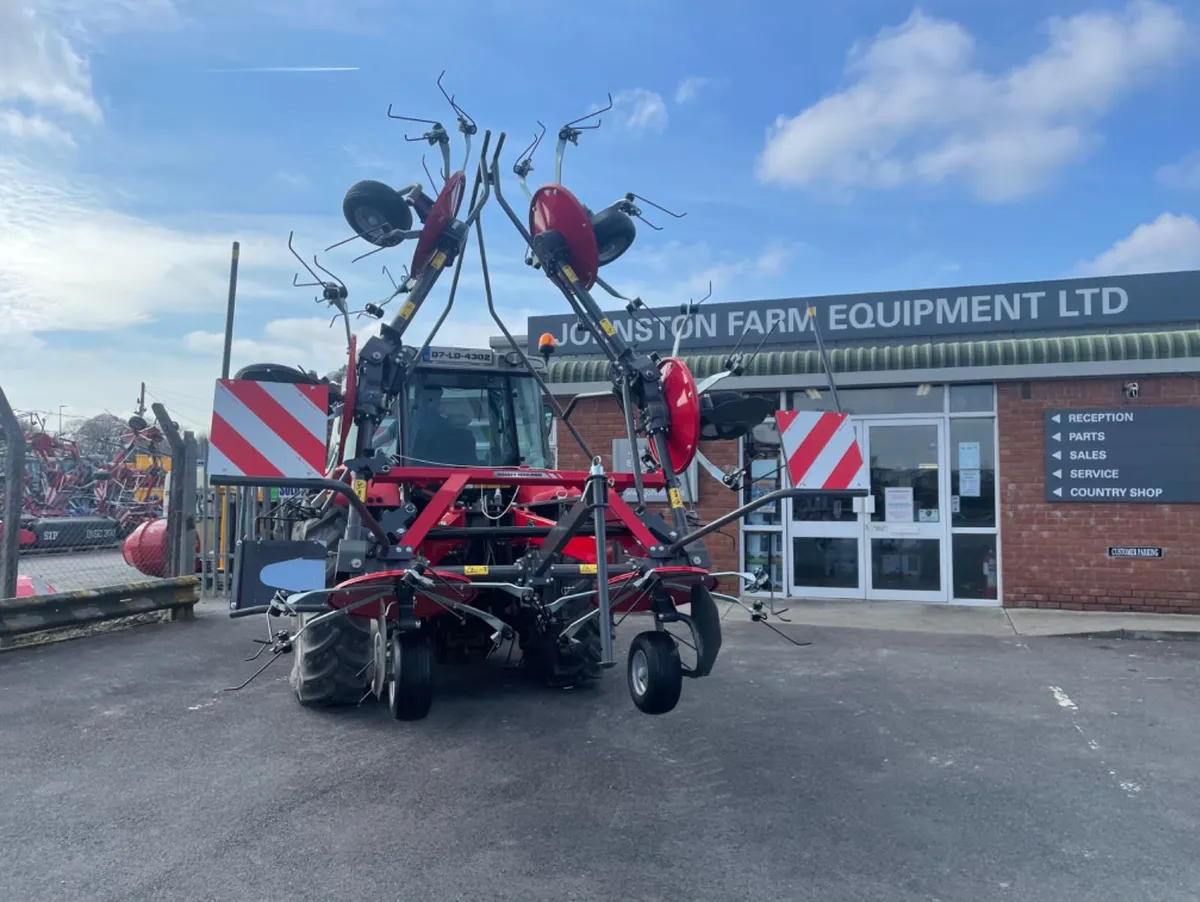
<point>72,501</point>
<point>438,527</point>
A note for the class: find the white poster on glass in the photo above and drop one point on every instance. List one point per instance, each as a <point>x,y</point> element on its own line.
<point>898,504</point>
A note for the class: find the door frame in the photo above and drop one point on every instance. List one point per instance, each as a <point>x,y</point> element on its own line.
<point>826,529</point>
<point>939,531</point>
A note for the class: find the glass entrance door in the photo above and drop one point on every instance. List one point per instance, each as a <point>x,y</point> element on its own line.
<point>905,527</point>
<point>826,545</point>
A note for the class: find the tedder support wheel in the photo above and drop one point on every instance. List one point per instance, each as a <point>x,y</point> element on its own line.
<point>615,233</point>
<point>410,689</point>
<point>331,664</point>
<point>655,672</point>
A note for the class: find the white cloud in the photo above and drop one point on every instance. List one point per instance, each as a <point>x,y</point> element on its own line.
<point>1171,242</point>
<point>690,87</point>
<point>641,110</point>
<point>920,110</point>
<point>69,261</point>
<point>22,127</point>
<point>1183,175</point>
<point>293,179</point>
<point>38,65</point>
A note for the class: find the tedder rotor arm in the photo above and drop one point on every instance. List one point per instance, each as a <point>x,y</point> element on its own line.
<point>635,376</point>
<point>449,246</point>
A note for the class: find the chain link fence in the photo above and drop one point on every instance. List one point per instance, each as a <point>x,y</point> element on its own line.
<point>102,503</point>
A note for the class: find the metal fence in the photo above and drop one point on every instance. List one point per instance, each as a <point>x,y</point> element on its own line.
<point>228,514</point>
<point>79,511</point>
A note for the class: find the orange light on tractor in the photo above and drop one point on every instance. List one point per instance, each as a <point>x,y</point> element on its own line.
<point>546,344</point>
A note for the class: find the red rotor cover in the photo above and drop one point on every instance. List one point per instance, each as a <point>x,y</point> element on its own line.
<point>683,405</point>
<point>554,208</point>
<point>441,214</point>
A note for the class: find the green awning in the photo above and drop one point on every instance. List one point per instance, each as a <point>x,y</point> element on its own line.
<point>1175,344</point>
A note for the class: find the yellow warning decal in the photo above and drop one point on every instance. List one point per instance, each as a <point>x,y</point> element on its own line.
<point>676,498</point>
<point>587,568</point>
<point>360,489</point>
<point>570,274</point>
<point>439,260</point>
<point>608,328</point>
<point>475,570</point>
<point>407,310</point>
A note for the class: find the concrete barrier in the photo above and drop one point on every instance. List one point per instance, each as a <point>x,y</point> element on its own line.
<point>70,611</point>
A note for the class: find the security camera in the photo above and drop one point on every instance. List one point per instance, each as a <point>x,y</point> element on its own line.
<point>1131,389</point>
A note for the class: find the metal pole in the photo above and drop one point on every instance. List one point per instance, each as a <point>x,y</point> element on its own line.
<point>598,485</point>
<point>14,483</point>
<point>175,506</point>
<point>812,318</point>
<point>233,270</point>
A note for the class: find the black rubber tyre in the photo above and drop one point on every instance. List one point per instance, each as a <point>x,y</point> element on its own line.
<point>332,661</point>
<point>615,233</point>
<point>369,204</point>
<point>655,672</point>
<point>410,689</point>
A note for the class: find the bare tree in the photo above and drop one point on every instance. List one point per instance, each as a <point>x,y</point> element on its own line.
<point>98,436</point>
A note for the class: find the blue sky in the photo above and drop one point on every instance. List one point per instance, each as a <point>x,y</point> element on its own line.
<point>820,148</point>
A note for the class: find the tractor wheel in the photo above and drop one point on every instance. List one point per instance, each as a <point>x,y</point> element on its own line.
<point>369,204</point>
<point>615,233</point>
<point>410,689</point>
<point>558,666</point>
<point>333,660</point>
<point>655,672</point>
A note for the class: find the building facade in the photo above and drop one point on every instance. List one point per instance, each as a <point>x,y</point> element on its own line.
<point>1031,444</point>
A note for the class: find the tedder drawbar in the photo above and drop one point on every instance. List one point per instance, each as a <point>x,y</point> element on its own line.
<point>435,525</point>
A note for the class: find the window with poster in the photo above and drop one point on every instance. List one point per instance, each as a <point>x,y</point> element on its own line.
<point>762,529</point>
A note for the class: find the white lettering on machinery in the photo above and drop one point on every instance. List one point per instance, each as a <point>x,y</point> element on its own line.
<point>1095,474</point>
<point>1086,436</point>
<point>1105,416</point>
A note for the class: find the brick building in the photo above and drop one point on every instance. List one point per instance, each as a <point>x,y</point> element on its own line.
<point>1031,444</point>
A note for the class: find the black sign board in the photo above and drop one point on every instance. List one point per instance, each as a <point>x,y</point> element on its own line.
<point>1138,551</point>
<point>1123,455</point>
<point>1062,304</point>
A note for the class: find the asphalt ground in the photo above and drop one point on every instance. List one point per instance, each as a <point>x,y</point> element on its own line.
<point>80,570</point>
<point>867,766</point>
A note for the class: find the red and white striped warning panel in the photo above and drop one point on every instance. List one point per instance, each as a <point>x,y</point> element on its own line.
<point>821,450</point>
<point>268,429</point>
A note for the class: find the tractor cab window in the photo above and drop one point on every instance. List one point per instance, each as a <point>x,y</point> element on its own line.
<point>472,419</point>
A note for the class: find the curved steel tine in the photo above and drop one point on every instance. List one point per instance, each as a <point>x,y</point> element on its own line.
<point>327,272</point>
<point>574,122</point>
<point>291,234</point>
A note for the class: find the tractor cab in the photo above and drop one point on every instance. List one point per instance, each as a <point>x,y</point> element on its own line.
<point>467,408</point>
